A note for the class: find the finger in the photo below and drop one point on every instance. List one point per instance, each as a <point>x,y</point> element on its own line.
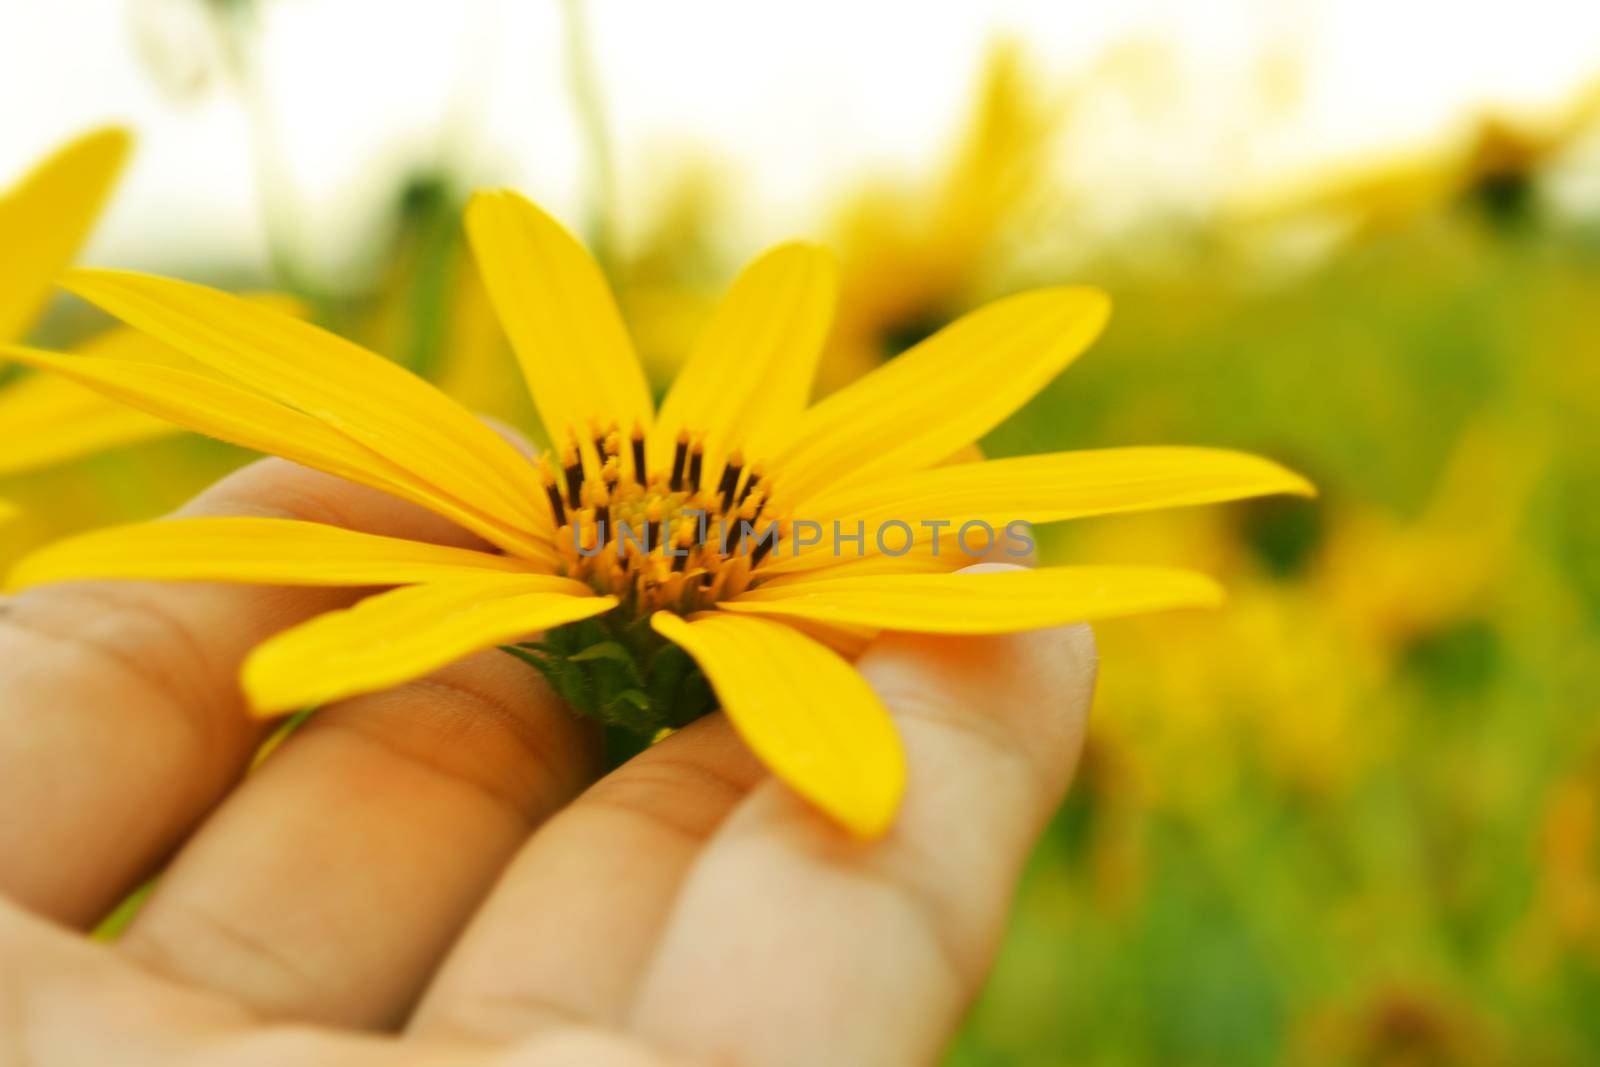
<point>330,884</point>
<point>53,982</point>
<point>792,943</point>
<point>570,927</point>
<point>121,720</point>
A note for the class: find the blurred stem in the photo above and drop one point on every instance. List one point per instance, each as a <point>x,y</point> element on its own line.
<point>589,103</point>
<point>113,925</point>
<point>430,219</point>
<point>237,25</point>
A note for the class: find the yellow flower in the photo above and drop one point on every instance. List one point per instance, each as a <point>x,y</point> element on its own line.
<point>770,629</point>
<point>43,220</point>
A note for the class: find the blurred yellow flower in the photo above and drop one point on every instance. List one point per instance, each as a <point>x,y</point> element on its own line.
<point>1390,582</point>
<point>668,281</point>
<point>1337,634</point>
<point>911,258</point>
<point>1569,854</point>
<point>732,440</point>
<point>1494,158</point>
<point>43,220</point>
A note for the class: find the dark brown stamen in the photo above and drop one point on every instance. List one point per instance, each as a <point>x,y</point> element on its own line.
<point>729,483</point>
<point>697,462</point>
<point>574,473</point>
<point>755,476</point>
<point>556,505</point>
<point>678,458</point>
<point>638,456</point>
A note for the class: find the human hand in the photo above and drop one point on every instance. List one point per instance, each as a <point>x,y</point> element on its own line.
<point>430,875</point>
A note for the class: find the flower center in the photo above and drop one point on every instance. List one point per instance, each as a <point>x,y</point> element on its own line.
<point>676,539</point>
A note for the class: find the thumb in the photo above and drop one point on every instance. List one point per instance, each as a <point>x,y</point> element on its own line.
<point>882,943</point>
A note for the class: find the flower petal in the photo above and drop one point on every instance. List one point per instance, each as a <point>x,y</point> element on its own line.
<point>750,373</point>
<point>258,550</point>
<point>126,343</point>
<point>1045,488</point>
<point>941,395</point>
<point>558,311</point>
<point>1066,485</point>
<point>803,710</point>
<point>848,641</point>
<point>45,420</point>
<point>811,566</point>
<point>362,395</point>
<point>401,635</point>
<point>982,602</point>
<point>47,216</point>
<point>220,409</point>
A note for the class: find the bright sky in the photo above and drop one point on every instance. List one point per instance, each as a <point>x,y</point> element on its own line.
<point>798,100</point>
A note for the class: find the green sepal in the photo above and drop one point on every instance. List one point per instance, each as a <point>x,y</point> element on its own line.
<point>626,676</point>
<point>678,687</point>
